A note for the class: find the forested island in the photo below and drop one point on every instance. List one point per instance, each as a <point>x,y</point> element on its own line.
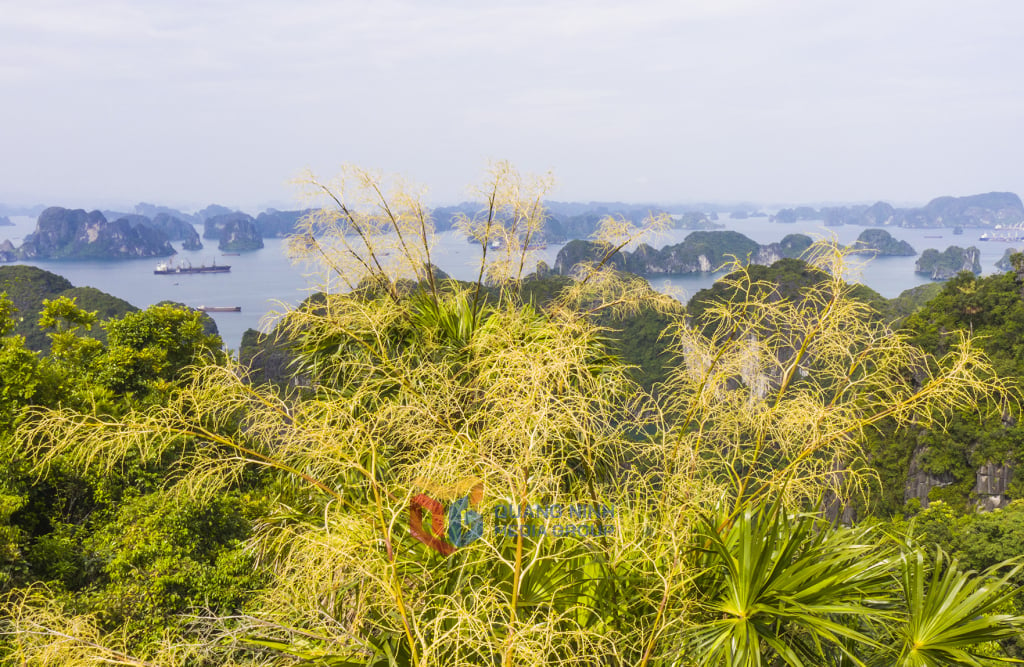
<point>700,252</point>
<point>880,243</point>
<point>948,263</point>
<point>424,471</point>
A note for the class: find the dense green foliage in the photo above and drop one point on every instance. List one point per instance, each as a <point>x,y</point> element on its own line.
<point>914,299</point>
<point>789,279</point>
<point>28,286</point>
<point>111,543</point>
<point>993,309</point>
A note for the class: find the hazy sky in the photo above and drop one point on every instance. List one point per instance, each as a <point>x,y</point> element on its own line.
<point>115,101</point>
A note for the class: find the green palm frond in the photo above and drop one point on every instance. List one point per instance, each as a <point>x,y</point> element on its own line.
<point>952,613</point>
<point>786,589</point>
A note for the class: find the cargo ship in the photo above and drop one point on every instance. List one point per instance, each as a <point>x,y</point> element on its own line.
<point>1010,234</point>
<point>1004,237</point>
<point>221,309</point>
<point>169,269</point>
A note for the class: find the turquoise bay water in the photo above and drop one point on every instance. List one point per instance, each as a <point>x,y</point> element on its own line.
<point>262,282</point>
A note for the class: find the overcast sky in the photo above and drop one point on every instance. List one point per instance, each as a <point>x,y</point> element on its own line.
<point>185,103</point>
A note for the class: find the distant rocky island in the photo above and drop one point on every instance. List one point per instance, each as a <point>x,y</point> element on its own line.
<point>982,210</point>
<point>1005,263</point>
<point>171,227</point>
<point>744,213</point>
<point>63,233</point>
<point>234,232</point>
<point>945,265</point>
<point>176,229</point>
<point>5,221</point>
<point>273,223</point>
<point>700,252</point>
<point>881,243</point>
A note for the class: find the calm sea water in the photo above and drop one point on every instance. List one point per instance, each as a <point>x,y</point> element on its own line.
<point>264,282</point>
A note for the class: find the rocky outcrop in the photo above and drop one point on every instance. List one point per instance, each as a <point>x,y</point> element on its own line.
<point>213,227</point>
<point>880,243</point>
<point>173,229</point>
<point>920,482</point>
<point>192,243</point>
<point>790,215</point>
<point>695,220</point>
<point>8,253</point>
<point>1004,263</point>
<point>700,252</point>
<point>152,211</point>
<point>792,246</point>
<point>990,492</point>
<point>945,265</point>
<point>75,234</point>
<point>991,487</point>
<point>5,221</point>
<point>879,214</point>
<point>239,234</point>
<point>273,223</point>
<point>234,232</point>
<point>211,211</point>
<point>176,229</point>
<point>579,252</point>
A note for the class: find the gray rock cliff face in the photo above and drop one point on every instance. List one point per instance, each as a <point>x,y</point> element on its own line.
<point>992,486</point>
<point>920,483</point>
<point>75,234</point>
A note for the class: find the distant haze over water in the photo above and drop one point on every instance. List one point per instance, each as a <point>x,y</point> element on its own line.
<point>261,281</point>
